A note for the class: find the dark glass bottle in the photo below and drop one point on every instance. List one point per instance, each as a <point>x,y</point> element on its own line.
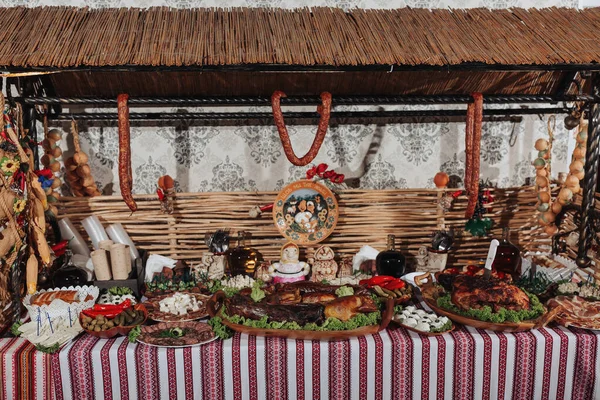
<point>69,274</point>
<point>243,259</point>
<point>391,262</point>
<point>508,256</point>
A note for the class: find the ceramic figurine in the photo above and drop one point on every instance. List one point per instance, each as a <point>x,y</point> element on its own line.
<point>324,267</point>
<point>262,272</point>
<point>212,265</point>
<point>422,259</point>
<point>289,268</point>
<point>345,267</point>
<point>429,260</point>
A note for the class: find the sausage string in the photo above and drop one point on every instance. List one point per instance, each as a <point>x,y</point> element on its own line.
<point>473,152</point>
<point>325,112</point>
<point>125,176</point>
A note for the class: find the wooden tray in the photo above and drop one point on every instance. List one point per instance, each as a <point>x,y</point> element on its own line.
<point>430,294</point>
<point>214,307</point>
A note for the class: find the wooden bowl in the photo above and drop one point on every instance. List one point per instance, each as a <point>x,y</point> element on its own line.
<point>117,330</point>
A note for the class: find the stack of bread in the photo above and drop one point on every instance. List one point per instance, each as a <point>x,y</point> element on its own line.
<point>79,174</point>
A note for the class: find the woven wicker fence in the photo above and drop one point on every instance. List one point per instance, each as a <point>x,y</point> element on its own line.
<point>366,218</point>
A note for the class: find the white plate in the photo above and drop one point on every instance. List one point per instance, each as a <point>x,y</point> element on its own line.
<point>179,347</point>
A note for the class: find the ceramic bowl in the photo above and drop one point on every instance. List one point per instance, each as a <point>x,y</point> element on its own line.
<point>117,330</point>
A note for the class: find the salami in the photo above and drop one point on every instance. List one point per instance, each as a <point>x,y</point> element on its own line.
<point>125,177</point>
<point>473,152</point>
<point>469,155</point>
<point>324,111</point>
<point>577,312</point>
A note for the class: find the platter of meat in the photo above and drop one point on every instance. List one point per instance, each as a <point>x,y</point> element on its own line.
<point>176,334</point>
<point>302,310</point>
<point>483,303</point>
<point>177,307</point>
<point>576,312</point>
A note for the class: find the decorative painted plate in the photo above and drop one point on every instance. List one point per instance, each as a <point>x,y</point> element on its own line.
<point>305,212</point>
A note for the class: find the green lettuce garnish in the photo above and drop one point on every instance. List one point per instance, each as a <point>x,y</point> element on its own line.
<point>257,293</point>
<point>134,334</point>
<point>48,349</point>
<point>14,329</point>
<point>221,330</point>
<point>344,291</point>
<point>330,324</point>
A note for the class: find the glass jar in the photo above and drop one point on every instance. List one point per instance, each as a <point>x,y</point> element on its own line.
<point>69,274</point>
<point>508,256</point>
<point>243,259</point>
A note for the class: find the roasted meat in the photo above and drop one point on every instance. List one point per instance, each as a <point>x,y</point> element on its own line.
<point>318,297</point>
<point>476,292</point>
<point>287,297</point>
<point>300,313</point>
<point>344,308</point>
<point>313,287</point>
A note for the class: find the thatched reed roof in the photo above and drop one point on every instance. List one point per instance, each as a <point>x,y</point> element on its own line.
<point>77,37</point>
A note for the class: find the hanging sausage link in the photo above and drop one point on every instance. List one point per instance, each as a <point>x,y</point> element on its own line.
<point>473,152</point>
<point>125,179</point>
<point>324,110</point>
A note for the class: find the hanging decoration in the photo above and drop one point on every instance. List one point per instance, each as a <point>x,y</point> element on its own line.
<point>23,214</point>
<point>125,175</point>
<point>478,224</point>
<point>79,174</point>
<point>165,193</point>
<point>324,111</point>
<point>319,173</point>
<point>305,212</point>
<point>50,160</point>
<point>329,178</point>
<point>547,207</point>
<point>473,152</point>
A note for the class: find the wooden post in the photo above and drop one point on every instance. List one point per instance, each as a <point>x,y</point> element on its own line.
<point>586,228</point>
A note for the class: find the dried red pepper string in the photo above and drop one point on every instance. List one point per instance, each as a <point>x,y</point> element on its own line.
<point>321,171</point>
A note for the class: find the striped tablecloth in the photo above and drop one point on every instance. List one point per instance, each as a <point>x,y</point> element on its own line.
<point>468,363</point>
<point>25,371</point>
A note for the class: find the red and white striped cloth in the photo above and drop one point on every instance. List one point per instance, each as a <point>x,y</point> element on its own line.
<point>25,371</point>
<point>551,363</point>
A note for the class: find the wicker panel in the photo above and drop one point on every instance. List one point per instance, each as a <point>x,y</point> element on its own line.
<point>366,217</point>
